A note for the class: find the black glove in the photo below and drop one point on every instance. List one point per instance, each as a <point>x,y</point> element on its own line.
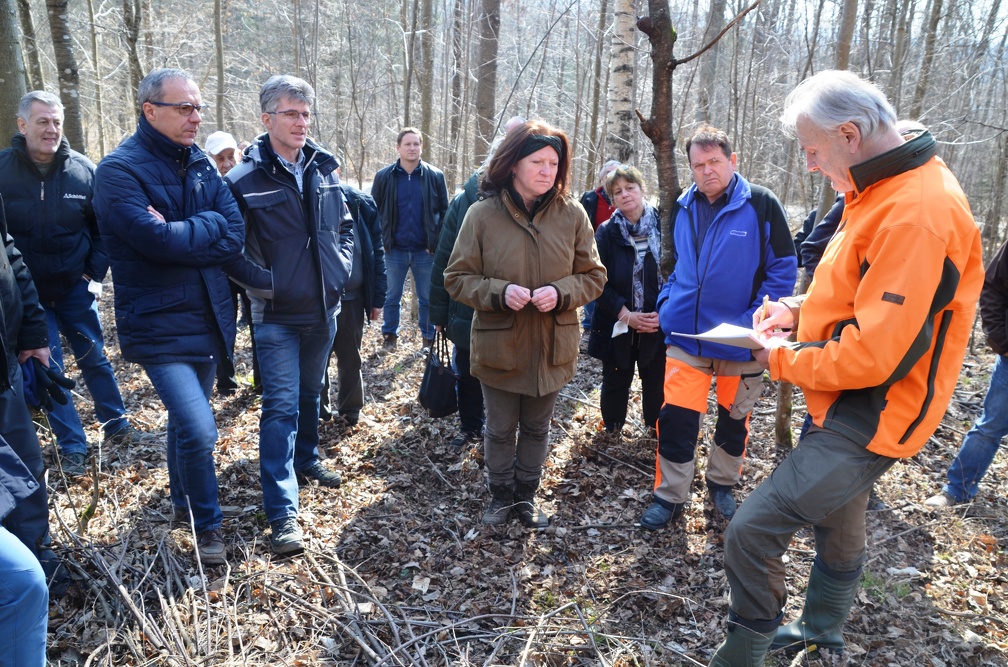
<point>43,384</point>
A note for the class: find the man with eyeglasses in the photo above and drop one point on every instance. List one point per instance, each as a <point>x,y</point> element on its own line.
<point>174,234</point>
<point>47,189</point>
<point>298,227</point>
<point>412,199</point>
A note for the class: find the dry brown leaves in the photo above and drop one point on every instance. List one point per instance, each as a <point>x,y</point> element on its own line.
<point>400,572</point>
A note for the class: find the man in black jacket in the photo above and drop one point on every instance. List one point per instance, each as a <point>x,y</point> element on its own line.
<point>47,190</point>
<point>362,298</point>
<point>23,335</point>
<point>411,198</point>
<point>297,226</point>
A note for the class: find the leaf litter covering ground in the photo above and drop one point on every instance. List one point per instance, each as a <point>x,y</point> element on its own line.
<point>398,570</point>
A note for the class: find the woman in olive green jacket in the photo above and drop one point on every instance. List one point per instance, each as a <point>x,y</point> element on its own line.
<point>525,260</point>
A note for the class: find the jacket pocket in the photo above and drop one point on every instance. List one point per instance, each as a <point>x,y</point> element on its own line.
<point>493,340</point>
<point>160,300</point>
<point>293,272</point>
<point>332,208</point>
<point>566,337</point>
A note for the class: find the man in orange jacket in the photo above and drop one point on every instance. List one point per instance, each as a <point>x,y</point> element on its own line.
<point>881,338</point>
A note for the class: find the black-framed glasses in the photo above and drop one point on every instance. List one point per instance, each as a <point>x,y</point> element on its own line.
<point>184,108</point>
<point>293,114</point>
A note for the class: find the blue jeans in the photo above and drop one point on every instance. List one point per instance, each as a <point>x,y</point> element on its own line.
<point>295,361</point>
<point>76,315</point>
<point>589,312</point>
<point>24,605</point>
<point>397,263</point>
<point>982,441</point>
<point>185,389</point>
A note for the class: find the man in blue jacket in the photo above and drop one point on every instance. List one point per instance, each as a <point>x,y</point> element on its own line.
<point>412,198</point>
<point>297,226</point>
<point>174,234</point>
<point>732,247</point>
<point>47,191</point>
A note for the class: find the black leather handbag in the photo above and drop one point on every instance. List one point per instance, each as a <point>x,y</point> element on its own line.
<point>437,389</point>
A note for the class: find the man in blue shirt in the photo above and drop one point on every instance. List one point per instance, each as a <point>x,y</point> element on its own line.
<point>411,198</point>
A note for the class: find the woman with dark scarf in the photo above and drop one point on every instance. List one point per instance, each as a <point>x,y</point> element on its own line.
<point>524,261</point>
<point>625,327</point>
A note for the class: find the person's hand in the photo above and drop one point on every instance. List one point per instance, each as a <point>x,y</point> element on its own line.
<point>42,354</point>
<point>438,328</point>
<point>157,216</point>
<point>375,314</point>
<point>644,322</point>
<point>43,385</point>
<point>762,357</point>
<point>516,296</point>
<point>545,298</point>
<point>774,315</point>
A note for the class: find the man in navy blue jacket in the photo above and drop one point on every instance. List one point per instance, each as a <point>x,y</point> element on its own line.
<point>733,247</point>
<point>47,190</point>
<point>297,226</point>
<point>173,234</point>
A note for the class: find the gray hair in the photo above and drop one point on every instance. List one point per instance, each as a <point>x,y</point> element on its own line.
<point>40,96</point>
<point>834,97</point>
<point>285,85</point>
<point>606,168</point>
<point>151,89</point>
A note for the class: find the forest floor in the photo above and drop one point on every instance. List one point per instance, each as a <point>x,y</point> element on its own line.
<point>399,570</point>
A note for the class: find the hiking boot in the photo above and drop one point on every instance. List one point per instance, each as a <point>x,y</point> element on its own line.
<point>127,436</point>
<point>464,438</point>
<point>723,501</point>
<point>287,537</point>
<point>389,341</point>
<point>501,502</point>
<point>528,513</point>
<point>658,516</point>
<point>210,546</point>
<point>941,501</point>
<point>350,418</point>
<point>320,475</point>
<point>74,464</point>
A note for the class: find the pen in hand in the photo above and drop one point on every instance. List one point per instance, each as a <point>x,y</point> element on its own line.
<point>766,306</point>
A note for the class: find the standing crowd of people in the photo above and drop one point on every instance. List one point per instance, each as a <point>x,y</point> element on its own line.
<point>510,270</point>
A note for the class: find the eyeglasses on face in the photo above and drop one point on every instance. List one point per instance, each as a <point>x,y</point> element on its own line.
<point>184,108</point>
<point>292,114</point>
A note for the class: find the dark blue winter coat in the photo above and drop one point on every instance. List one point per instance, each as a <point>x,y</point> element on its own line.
<point>172,299</point>
<point>51,217</point>
<point>747,253</point>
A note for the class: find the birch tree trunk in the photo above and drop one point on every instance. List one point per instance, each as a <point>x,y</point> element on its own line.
<point>619,142</point>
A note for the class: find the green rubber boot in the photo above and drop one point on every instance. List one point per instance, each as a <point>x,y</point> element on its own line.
<point>827,602</point>
<point>744,646</point>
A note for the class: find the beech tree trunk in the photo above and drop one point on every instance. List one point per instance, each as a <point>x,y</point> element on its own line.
<point>30,46</point>
<point>12,71</point>
<point>69,77</point>
<point>488,24</point>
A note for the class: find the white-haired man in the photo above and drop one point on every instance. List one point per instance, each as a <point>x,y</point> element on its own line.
<point>881,338</point>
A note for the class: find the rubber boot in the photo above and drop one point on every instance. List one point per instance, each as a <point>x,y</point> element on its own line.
<point>744,646</point>
<point>501,502</point>
<point>827,602</point>
<point>528,512</point>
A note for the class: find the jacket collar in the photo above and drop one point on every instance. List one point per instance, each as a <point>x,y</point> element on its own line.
<point>910,155</point>
<point>261,154</point>
<point>421,167</point>
<point>20,146</point>
<point>163,147</point>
